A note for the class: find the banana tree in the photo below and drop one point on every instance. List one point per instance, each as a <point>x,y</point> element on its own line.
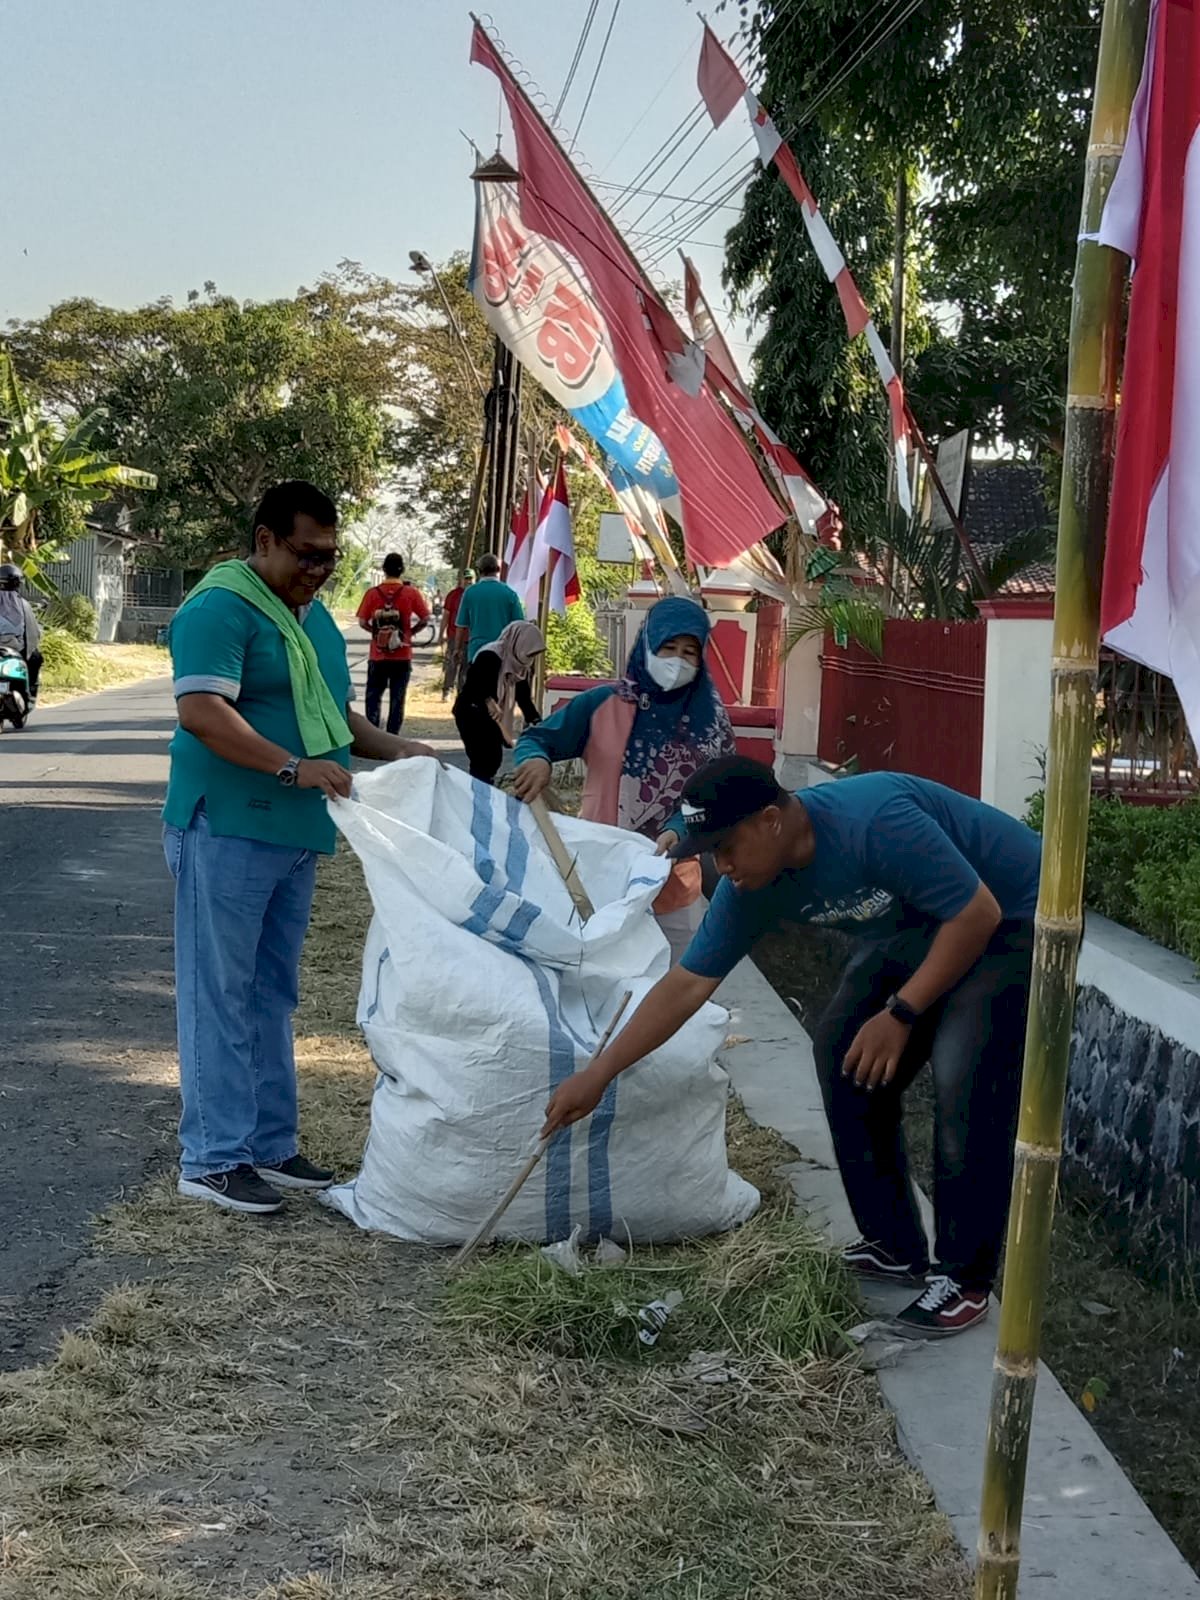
<point>50,477</point>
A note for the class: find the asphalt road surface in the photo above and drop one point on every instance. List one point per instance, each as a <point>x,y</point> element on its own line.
<point>88,1085</point>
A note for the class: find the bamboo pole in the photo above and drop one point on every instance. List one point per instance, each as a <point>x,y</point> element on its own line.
<point>563,859</point>
<point>1087,460</point>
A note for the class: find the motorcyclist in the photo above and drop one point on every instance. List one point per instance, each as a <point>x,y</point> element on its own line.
<point>19,626</point>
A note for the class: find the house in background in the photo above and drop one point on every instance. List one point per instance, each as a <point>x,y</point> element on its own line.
<point>95,567</point>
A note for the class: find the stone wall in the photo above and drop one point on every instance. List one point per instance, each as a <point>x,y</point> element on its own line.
<point>1133,1103</point>
<point>142,624</point>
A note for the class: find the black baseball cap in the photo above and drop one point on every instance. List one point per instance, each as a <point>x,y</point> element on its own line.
<point>718,797</point>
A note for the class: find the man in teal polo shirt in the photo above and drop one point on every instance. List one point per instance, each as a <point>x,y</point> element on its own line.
<point>486,609</point>
<point>265,736</point>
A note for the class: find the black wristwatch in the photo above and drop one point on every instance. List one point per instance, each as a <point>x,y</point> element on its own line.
<point>902,1011</point>
<point>289,772</point>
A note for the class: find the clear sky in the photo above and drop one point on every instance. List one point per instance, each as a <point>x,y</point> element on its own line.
<point>155,144</point>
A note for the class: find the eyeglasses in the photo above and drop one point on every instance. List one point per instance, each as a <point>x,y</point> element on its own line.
<point>317,560</point>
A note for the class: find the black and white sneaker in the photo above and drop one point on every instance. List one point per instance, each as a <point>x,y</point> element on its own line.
<point>297,1172</point>
<point>868,1260</point>
<point>946,1308</point>
<point>238,1190</point>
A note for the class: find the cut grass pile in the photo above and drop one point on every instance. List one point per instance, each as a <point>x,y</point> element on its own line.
<point>294,1410</point>
<point>771,1288</point>
<point>72,668</point>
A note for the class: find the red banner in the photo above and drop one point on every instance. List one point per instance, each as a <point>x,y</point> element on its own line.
<point>727,508</point>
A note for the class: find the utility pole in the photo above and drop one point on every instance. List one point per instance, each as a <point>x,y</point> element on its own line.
<point>502,405</point>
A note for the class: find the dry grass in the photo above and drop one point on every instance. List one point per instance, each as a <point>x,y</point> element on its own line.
<point>287,1411</point>
<point>105,667</point>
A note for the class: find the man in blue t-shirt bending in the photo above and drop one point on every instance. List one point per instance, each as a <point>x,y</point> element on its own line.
<point>940,891</point>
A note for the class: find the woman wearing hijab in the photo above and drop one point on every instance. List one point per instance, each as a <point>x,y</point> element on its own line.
<point>497,681</point>
<point>641,740</point>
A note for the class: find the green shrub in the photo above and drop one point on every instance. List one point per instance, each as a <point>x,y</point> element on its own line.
<point>74,614</point>
<point>1143,868</point>
<point>574,645</point>
<point>66,662</point>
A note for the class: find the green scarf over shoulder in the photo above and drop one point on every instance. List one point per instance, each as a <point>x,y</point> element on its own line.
<point>323,727</point>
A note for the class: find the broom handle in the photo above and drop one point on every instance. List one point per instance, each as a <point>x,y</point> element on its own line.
<point>563,859</point>
<point>484,1232</point>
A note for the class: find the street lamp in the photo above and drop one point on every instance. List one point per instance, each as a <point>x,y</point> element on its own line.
<point>422,264</point>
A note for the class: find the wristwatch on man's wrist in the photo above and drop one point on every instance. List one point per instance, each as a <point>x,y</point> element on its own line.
<point>902,1011</point>
<point>289,772</point>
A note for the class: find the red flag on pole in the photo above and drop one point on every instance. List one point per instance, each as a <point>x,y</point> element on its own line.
<point>1150,607</point>
<point>727,507</point>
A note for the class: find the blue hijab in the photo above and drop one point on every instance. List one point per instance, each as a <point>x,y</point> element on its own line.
<point>674,734</point>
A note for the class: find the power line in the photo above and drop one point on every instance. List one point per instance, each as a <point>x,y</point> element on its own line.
<point>692,119</point>
<point>577,58</point>
<point>612,22</point>
<point>854,59</point>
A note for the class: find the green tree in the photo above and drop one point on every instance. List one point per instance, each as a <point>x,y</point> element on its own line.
<point>220,398</point>
<point>985,107</point>
<point>51,476</point>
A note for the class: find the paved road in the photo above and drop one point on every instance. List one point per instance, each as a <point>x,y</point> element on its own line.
<point>88,1094</point>
<point>85,1066</point>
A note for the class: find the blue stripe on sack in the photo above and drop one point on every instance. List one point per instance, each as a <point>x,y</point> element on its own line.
<point>599,1178</point>
<point>653,883</point>
<point>487,901</point>
<point>374,1006</point>
<point>558,1156</point>
<point>523,918</point>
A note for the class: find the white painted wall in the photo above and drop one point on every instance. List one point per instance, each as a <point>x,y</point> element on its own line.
<point>1016,710</point>
<point>797,744</point>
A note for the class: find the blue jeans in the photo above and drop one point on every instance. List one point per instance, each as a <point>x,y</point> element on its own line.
<point>241,913</point>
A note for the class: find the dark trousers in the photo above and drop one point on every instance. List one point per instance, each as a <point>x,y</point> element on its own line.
<point>34,662</point>
<point>482,740</point>
<point>393,676</point>
<point>973,1040</point>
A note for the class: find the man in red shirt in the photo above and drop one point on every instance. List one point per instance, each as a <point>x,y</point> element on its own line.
<point>453,655</point>
<point>387,613</point>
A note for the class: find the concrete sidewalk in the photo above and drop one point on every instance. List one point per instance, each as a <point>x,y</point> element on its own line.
<point>1086,1532</point>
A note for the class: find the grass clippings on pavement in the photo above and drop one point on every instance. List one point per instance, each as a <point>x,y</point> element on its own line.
<point>294,1410</point>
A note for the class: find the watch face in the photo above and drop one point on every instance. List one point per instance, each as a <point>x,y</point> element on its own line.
<point>287,777</point>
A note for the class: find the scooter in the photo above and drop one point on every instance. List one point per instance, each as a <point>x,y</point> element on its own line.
<point>14,688</point>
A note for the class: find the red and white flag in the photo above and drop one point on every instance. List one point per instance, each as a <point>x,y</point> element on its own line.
<point>557,545</point>
<point>807,501</point>
<point>523,559</point>
<point>1150,608</point>
<point>518,532</point>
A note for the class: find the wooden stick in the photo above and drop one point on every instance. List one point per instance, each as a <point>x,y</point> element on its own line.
<point>484,1232</point>
<point>563,858</point>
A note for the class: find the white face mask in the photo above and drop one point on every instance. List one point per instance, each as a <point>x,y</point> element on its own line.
<point>670,672</point>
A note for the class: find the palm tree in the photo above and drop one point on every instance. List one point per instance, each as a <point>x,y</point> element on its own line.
<point>50,477</point>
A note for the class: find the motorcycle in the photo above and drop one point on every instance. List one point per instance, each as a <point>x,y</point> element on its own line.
<point>14,688</point>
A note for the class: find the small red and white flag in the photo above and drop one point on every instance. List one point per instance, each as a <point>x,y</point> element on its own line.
<point>1150,606</point>
<point>518,532</point>
<point>557,542</point>
<point>525,563</point>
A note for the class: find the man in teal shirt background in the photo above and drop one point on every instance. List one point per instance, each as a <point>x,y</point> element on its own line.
<point>265,736</point>
<point>486,609</point>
